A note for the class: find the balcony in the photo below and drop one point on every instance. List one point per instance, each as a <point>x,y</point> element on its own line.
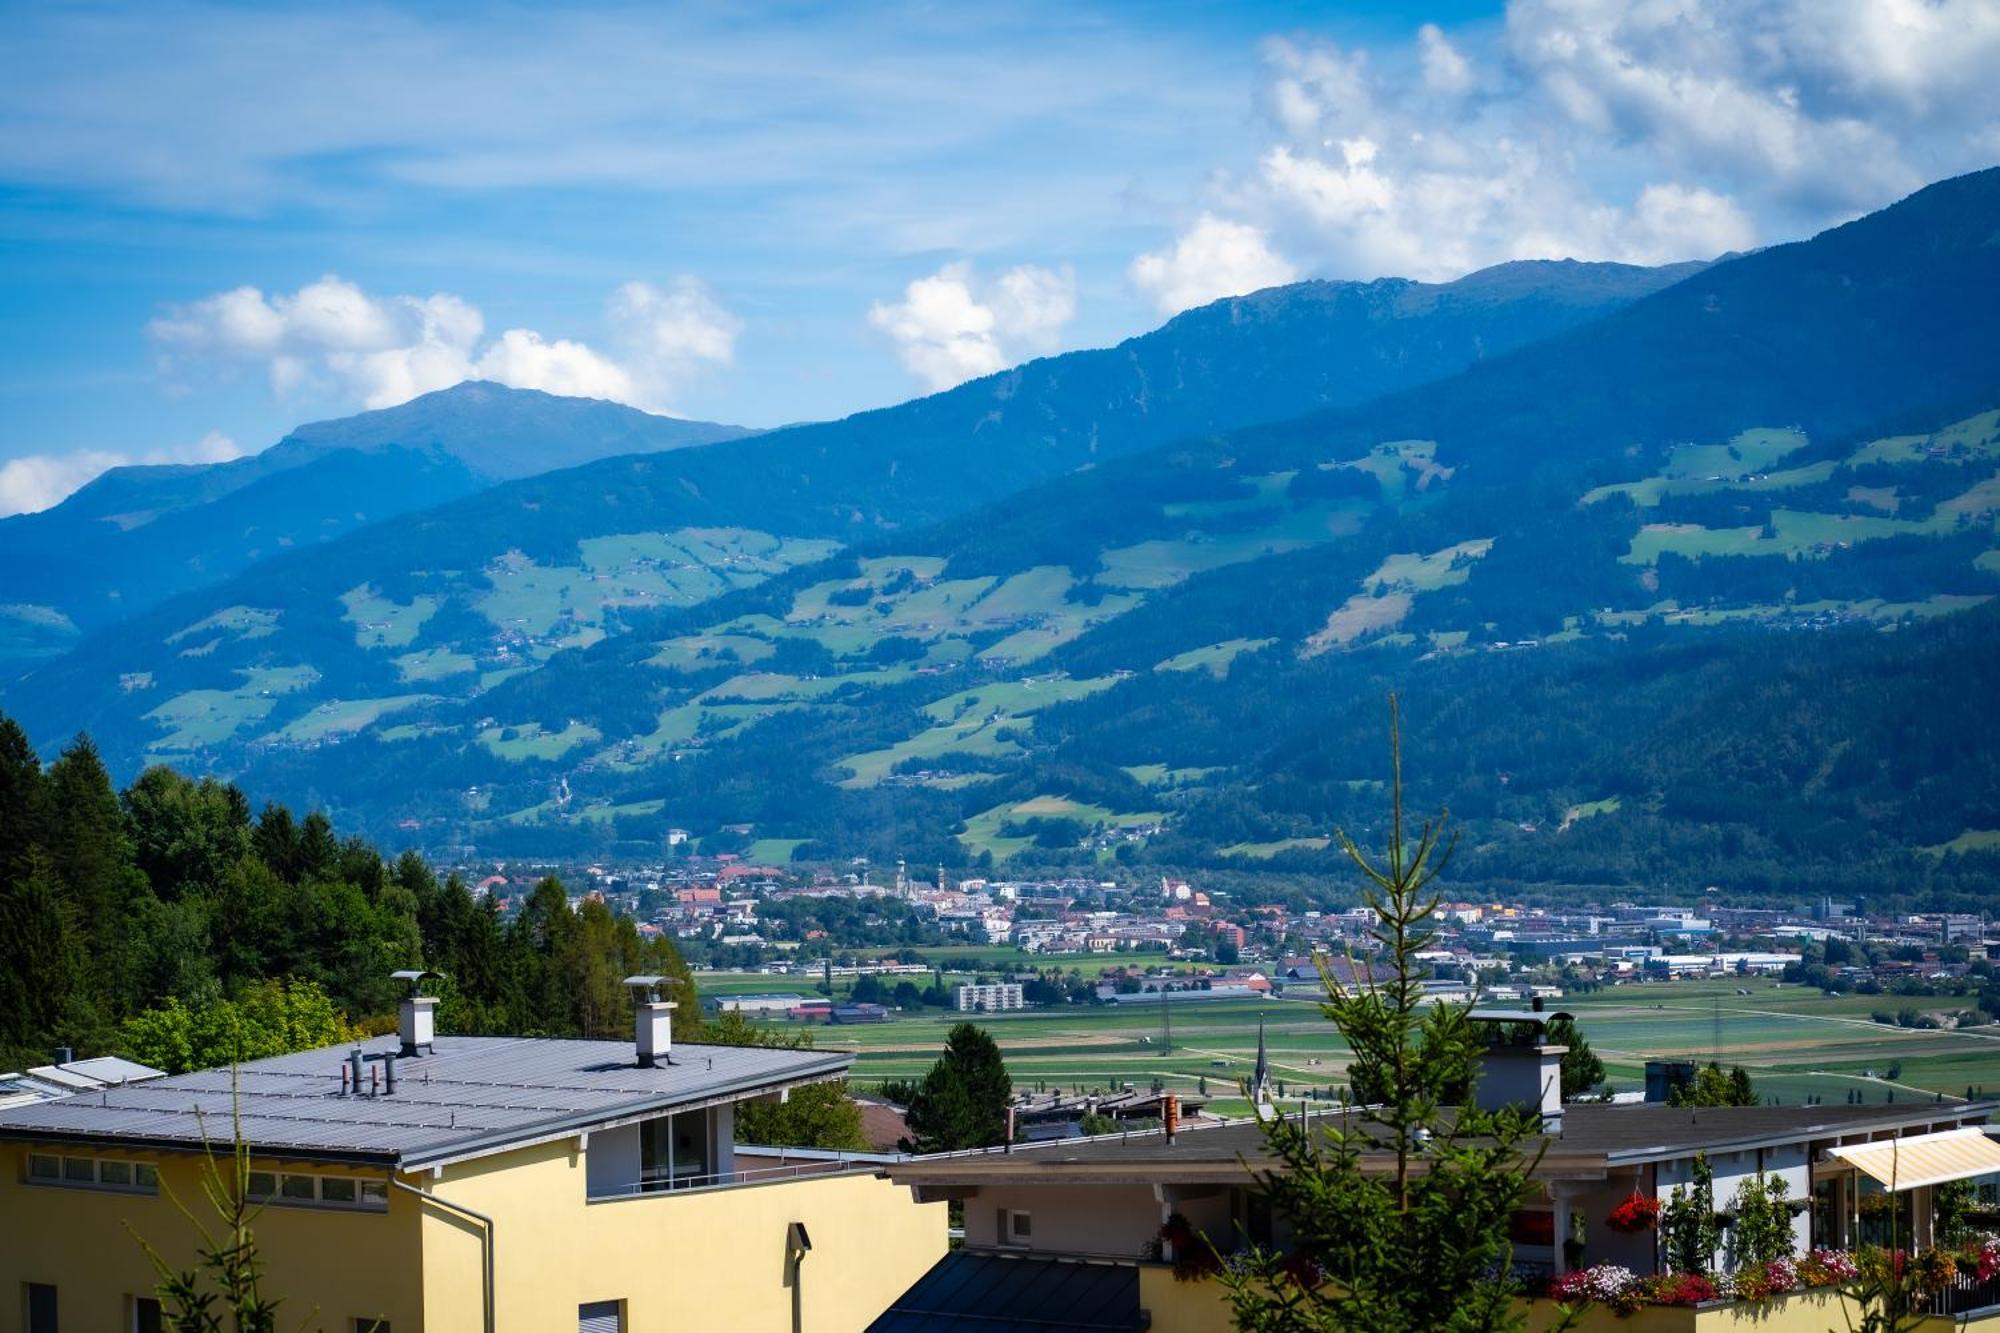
<point>754,1166</point>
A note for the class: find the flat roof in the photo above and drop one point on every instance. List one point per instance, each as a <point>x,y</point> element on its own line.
<point>472,1096</point>
<point>1595,1138</point>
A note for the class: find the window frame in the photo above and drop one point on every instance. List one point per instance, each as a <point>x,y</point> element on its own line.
<point>370,1195</point>
<point>142,1177</point>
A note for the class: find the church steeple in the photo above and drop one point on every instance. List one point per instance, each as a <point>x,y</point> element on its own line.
<point>1260,1078</point>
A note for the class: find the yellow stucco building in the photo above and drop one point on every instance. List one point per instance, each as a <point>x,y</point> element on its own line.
<point>464,1185</point>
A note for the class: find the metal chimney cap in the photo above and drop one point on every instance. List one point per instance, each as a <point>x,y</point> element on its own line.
<point>416,976</point>
<point>648,986</point>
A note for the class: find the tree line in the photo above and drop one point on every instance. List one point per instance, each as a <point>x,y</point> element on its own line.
<point>170,918</point>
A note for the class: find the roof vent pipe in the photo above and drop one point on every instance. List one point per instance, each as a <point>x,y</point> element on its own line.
<point>389,1072</point>
<point>416,1017</point>
<point>652,1020</point>
<point>63,1055</point>
<point>354,1070</point>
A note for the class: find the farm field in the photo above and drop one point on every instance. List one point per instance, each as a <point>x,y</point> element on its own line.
<point>1793,1041</point>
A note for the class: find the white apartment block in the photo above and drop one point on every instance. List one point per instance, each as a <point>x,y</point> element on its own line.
<point>989,999</point>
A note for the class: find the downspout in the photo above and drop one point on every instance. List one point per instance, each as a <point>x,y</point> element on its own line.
<point>485,1243</point>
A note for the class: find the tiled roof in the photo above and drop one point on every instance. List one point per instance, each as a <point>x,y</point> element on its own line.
<point>473,1095</point>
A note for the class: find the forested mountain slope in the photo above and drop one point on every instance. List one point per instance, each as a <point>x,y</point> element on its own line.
<point>1663,591</point>
<point>138,535</point>
<point>501,580</point>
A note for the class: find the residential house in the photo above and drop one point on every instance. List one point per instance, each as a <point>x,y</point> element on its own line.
<point>454,1184</point>
<point>1091,1215</point>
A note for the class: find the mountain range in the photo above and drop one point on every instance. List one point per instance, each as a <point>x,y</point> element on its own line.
<point>138,535</point>
<point>1685,576</point>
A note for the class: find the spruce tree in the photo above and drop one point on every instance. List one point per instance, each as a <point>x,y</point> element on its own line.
<point>1581,1069</point>
<point>23,801</point>
<point>962,1102</point>
<point>1419,1241</point>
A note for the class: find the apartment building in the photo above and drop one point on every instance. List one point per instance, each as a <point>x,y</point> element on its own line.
<point>989,999</point>
<point>465,1185</point>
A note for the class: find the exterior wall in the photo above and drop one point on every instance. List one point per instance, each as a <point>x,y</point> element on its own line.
<point>1117,1221</point>
<point>697,1258</point>
<point>1182,1307</point>
<point>1802,1312</point>
<point>1602,1245</point>
<point>76,1239</point>
<point>1202,1307</point>
<point>1732,1169</point>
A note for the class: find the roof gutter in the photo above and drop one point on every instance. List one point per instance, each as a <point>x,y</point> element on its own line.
<point>157,1143</point>
<point>1932,1114</point>
<point>486,1240</point>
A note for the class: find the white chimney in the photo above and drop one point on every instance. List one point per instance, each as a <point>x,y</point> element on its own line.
<point>652,1020</point>
<point>416,1016</point>
<point>417,1022</point>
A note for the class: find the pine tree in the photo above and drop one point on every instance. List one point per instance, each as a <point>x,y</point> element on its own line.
<point>1423,1243</point>
<point>962,1102</point>
<point>1581,1069</point>
<point>23,801</point>
<point>44,982</point>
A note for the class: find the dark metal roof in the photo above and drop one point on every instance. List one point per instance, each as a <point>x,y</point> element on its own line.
<point>1593,1135</point>
<point>982,1292</point>
<point>473,1095</point>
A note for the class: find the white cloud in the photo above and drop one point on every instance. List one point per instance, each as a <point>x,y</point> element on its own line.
<point>37,481</point>
<point>949,327</point>
<point>522,358</point>
<point>1213,259</point>
<point>1446,70</point>
<point>331,337</point>
<point>671,335</point>
<point>1606,129</point>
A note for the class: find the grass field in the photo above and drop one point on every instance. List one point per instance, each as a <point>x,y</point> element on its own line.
<point>382,623</point>
<point>200,718</point>
<point>1215,658</point>
<point>1794,1041</point>
<point>982,831</point>
<point>529,741</point>
<point>345,717</point>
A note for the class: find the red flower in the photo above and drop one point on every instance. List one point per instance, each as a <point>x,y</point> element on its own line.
<point>1635,1213</point>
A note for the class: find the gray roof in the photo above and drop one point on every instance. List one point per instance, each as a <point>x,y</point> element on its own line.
<point>1594,1136</point>
<point>472,1096</point>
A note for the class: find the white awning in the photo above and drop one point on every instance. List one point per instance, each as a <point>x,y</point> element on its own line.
<point>1924,1159</point>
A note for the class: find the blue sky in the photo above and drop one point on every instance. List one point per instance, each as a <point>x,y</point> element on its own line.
<point>219,220</point>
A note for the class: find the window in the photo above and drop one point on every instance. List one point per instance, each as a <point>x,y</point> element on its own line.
<point>146,1315</point>
<point>295,1188</point>
<point>40,1300</point>
<point>106,1173</point>
<point>601,1317</point>
<point>1013,1227</point>
<point>673,1151</point>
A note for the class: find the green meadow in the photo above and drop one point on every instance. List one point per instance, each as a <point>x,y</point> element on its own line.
<point>1793,1040</point>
